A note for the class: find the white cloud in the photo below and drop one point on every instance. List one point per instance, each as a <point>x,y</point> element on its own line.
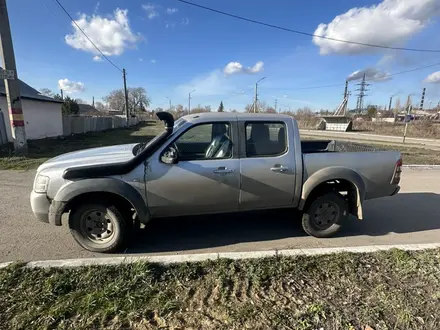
<point>211,84</point>
<point>433,78</point>
<point>172,10</point>
<point>370,74</point>
<point>70,87</point>
<point>140,59</point>
<point>170,25</point>
<point>150,9</point>
<point>258,67</point>
<point>112,35</point>
<point>233,67</point>
<point>391,23</point>
<point>185,21</point>
<point>97,58</point>
<point>153,61</point>
<point>236,68</point>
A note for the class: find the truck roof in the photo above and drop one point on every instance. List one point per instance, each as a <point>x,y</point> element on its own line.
<point>203,116</point>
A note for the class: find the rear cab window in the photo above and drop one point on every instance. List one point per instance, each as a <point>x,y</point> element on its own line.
<point>265,138</point>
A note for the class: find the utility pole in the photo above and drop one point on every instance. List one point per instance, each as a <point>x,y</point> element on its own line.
<point>12,86</point>
<point>407,117</point>
<point>62,96</point>
<point>256,95</point>
<point>170,102</point>
<point>126,96</point>
<point>189,101</point>
<point>276,103</point>
<point>391,101</point>
<point>362,89</point>
<point>93,101</point>
<point>422,101</point>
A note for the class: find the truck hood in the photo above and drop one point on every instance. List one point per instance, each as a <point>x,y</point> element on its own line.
<point>93,156</point>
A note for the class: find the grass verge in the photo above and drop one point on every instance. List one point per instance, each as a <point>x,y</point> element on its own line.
<point>384,290</point>
<point>42,150</point>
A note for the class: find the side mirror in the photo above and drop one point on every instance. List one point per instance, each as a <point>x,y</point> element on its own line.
<point>170,156</point>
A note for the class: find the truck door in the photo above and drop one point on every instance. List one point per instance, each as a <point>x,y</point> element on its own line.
<point>205,178</point>
<point>267,164</point>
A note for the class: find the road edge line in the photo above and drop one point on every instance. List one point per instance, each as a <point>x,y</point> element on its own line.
<point>181,258</point>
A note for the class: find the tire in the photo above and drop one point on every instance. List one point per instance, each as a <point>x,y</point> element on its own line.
<point>321,220</point>
<point>99,227</point>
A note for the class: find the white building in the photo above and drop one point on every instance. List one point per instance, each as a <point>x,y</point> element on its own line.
<point>42,114</point>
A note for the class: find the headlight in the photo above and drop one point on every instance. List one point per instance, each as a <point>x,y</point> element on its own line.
<point>41,183</point>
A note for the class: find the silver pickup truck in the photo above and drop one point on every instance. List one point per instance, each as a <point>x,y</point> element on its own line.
<point>211,163</point>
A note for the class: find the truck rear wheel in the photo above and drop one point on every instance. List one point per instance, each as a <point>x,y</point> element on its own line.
<point>99,227</point>
<point>325,215</point>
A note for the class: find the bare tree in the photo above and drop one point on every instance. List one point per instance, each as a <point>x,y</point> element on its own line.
<point>100,106</point>
<point>199,108</point>
<point>138,100</point>
<point>249,108</point>
<point>47,92</point>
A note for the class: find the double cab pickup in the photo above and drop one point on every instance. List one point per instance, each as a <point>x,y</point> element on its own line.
<point>211,163</point>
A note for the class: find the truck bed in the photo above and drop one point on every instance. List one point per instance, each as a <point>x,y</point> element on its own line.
<point>376,166</point>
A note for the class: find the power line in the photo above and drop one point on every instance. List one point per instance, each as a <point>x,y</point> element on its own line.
<point>71,18</point>
<point>371,79</point>
<point>406,71</point>
<point>305,33</point>
<point>304,88</point>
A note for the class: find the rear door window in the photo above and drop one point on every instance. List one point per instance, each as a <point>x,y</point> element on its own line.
<point>265,139</point>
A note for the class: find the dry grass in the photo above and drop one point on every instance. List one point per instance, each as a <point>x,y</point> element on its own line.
<point>385,290</point>
<point>42,150</point>
<point>417,129</point>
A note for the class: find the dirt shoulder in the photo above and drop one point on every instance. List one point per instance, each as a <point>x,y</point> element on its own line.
<point>384,290</point>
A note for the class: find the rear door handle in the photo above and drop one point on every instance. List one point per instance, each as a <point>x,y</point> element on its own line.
<point>223,170</point>
<point>279,168</point>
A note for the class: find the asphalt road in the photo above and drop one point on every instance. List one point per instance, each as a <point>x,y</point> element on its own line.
<point>410,217</point>
<point>366,137</point>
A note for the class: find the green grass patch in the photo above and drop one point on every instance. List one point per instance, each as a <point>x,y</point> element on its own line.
<point>384,290</point>
<point>44,149</point>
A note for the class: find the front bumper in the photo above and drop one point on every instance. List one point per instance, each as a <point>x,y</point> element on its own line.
<point>45,210</point>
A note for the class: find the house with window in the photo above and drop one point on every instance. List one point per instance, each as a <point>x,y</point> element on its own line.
<point>42,114</point>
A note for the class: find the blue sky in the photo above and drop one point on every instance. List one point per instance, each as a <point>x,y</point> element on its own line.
<point>171,48</point>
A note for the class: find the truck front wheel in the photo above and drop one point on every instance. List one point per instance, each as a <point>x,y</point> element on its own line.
<point>325,215</point>
<point>98,227</point>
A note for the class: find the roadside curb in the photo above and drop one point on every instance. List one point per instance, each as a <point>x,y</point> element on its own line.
<point>422,167</point>
<point>172,259</point>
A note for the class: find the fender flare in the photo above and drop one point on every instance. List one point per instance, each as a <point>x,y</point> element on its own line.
<point>335,173</point>
<point>104,185</point>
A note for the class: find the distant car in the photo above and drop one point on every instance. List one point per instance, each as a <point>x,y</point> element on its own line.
<point>210,163</point>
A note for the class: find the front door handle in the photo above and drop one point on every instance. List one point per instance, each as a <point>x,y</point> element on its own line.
<point>223,170</point>
<point>279,168</point>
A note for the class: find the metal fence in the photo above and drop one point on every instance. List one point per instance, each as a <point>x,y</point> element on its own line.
<point>80,125</point>
<point>3,133</point>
